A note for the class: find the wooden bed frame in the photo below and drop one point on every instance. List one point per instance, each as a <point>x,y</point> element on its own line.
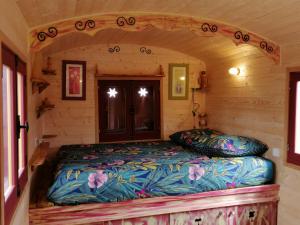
<point>249,205</point>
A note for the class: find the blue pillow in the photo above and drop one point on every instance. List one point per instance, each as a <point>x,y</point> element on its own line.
<point>216,144</point>
<point>186,137</point>
<point>229,146</point>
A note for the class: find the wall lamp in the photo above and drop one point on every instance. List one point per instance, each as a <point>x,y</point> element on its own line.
<point>234,71</point>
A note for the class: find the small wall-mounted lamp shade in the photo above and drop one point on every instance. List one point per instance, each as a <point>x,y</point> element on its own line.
<point>234,71</point>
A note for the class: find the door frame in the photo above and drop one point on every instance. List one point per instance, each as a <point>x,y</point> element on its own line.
<point>118,78</point>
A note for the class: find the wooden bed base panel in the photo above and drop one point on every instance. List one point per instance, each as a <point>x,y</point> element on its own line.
<point>232,206</point>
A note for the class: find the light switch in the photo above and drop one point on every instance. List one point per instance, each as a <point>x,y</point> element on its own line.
<point>276,152</point>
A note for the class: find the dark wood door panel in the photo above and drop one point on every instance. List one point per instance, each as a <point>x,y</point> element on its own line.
<point>129,110</point>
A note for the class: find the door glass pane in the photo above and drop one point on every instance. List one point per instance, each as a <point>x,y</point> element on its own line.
<point>297,127</point>
<point>144,108</point>
<point>7,103</point>
<point>115,109</point>
<point>21,110</point>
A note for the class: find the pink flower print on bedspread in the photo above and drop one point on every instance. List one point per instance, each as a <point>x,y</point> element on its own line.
<point>230,185</point>
<point>96,180</point>
<point>226,144</point>
<point>170,153</point>
<point>196,172</point>
<point>142,194</point>
<point>90,156</point>
<point>199,159</point>
<point>146,160</point>
<point>117,162</point>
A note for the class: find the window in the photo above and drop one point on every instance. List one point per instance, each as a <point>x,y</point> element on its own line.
<point>129,110</point>
<point>294,119</point>
<point>14,137</point>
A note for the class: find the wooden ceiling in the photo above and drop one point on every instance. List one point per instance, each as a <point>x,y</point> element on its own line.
<point>208,49</point>
<point>274,19</point>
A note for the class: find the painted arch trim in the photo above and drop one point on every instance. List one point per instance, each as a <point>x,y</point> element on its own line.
<point>42,36</point>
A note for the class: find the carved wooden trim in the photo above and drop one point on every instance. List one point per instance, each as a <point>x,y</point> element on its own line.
<point>104,212</point>
<point>42,36</point>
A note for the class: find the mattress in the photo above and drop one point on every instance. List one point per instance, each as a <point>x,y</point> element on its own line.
<point>119,172</point>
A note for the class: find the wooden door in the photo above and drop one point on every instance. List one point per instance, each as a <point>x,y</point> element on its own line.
<point>146,109</point>
<point>129,110</point>
<point>114,102</point>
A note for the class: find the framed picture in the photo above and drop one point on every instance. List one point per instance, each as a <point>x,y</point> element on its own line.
<point>178,81</point>
<point>73,80</point>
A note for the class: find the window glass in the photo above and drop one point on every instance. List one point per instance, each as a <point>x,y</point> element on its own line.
<point>115,106</point>
<point>144,109</point>
<point>7,129</point>
<point>21,110</point>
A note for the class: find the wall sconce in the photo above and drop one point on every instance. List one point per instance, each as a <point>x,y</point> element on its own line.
<point>234,71</point>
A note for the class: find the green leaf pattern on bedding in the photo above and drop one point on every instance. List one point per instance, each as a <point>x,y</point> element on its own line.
<point>118,172</point>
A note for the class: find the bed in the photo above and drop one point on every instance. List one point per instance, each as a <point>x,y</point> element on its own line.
<point>119,172</point>
<point>157,183</point>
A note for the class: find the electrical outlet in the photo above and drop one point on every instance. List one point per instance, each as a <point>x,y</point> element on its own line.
<point>41,140</point>
<point>36,141</point>
<point>276,152</point>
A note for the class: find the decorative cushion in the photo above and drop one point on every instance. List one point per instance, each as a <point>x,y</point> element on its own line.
<point>216,144</point>
<point>186,137</point>
<point>229,146</point>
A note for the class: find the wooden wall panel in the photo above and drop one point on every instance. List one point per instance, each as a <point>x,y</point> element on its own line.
<point>75,121</point>
<point>13,32</point>
<point>256,105</point>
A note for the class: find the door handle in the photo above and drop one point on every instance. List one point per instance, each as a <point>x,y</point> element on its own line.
<point>19,126</point>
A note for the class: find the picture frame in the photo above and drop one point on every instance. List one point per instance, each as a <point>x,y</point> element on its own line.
<point>178,81</point>
<point>73,80</point>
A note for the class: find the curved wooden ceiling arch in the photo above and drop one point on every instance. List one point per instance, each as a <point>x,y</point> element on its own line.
<point>43,36</point>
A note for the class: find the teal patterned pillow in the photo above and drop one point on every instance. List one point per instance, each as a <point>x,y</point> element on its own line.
<point>216,144</point>
<point>186,137</point>
<point>229,146</point>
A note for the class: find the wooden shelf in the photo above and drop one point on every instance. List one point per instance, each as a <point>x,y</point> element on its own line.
<point>39,156</point>
<point>49,72</point>
<point>159,74</point>
<point>47,136</point>
<point>200,89</point>
<point>45,106</point>
<point>39,84</point>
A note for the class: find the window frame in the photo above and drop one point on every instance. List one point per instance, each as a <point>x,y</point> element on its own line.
<point>22,179</point>
<point>292,156</point>
<point>10,59</point>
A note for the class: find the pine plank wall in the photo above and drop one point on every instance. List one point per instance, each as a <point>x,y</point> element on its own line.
<point>254,105</point>
<point>74,121</point>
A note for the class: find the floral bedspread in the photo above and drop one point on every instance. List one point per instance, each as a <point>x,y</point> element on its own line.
<point>118,172</point>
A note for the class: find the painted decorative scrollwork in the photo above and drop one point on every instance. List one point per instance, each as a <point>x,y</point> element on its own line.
<point>114,49</point>
<point>79,25</point>
<point>121,21</point>
<point>206,26</point>
<point>240,35</point>
<point>52,32</point>
<point>145,50</point>
<point>264,45</point>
